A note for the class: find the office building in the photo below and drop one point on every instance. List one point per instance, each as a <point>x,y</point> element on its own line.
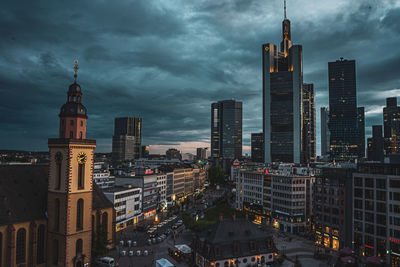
<point>343,115</point>
<point>145,152</point>
<point>199,179</point>
<point>257,147</point>
<point>226,129</point>
<point>309,138</point>
<point>325,134</point>
<point>148,184</point>
<point>102,176</point>
<point>282,77</point>
<point>162,189</point>
<point>170,186</point>
<point>126,142</point>
<point>376,144</point>
<point>376,206</point>
<point>391,126</point>
<point>249,196</point>
<point>361,131</point>
<point>333,208</point>
<point>127,201</point>
<point>173,153</point>
<point>291,198</point>
<point>201,153</point>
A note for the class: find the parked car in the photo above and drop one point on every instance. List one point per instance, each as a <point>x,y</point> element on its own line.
<point>167,232</point>
<point>138,252</point>
<point>131,253</point>
<point>123,252</point>
<point>106,262</point>
<point>145,253</point>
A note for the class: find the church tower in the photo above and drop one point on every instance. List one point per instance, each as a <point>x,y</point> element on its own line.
<point>70,186</point>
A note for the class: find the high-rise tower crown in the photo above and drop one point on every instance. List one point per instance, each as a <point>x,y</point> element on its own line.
<point>73,113</point>
<point>286,43</point>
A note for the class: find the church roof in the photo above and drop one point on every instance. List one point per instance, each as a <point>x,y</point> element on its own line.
<point>23,193</point>
<point>233,238</point>
<point>100,201</point>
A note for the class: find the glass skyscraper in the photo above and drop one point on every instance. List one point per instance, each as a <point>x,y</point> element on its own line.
<point>226,129</point>
<point>282,76</point>
<point>126,142</point>
<point>391,126</point>
<point>257,147</point>
<point>309,142</point>
<point>344,117</point>
<point>325,134</point>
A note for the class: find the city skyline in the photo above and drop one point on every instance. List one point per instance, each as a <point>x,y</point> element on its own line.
<point>164,82</point>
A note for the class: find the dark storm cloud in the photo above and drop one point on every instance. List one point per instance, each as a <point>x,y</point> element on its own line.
<point>166,61</point>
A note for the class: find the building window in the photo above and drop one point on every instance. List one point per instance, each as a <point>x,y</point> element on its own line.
<point>104,222</point>
<point>71,122</point>
<point>81,123</point>
<point>58,170</point>
<point>79,246</point>
<point>71,134</point>
<point>55,252</point>
<point>21,246</point>
<point>79,215</point>
<point>40,244</point>
<point>56,215</point>
<point>80,135</point>
<point>81,176</point>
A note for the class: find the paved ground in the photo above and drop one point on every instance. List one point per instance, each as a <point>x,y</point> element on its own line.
<point>298,247</point>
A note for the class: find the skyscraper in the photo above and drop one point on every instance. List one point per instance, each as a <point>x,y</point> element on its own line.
<point>361,131</point>
<point>309,142</point>
<point>391,126</point>
<point>173,153</point>
<point>325,134</point>
<point>226,129</point>
<point>257,147</point>
<point>127,137</point>
<point>201,153</point>
<point>282,76</point>
<point>343,115</point>
<point>375,144</point>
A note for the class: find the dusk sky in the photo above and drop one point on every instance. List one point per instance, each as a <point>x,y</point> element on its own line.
<point>167,61</point>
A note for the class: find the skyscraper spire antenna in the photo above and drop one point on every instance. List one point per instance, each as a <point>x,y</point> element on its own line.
<point>284,8</point>
<point>76,68</point>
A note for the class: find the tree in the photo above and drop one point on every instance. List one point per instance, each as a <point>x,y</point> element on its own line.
<point>216,175</point>
<point>100,242</point>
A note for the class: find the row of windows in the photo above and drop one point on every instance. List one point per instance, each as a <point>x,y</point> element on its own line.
<point>128,194</point>
<point>81,175</point>
<point>20,252</point>
<point>71,122</point>
<point>288,181</point>
<point>288,196</point>
<point>79,215</point>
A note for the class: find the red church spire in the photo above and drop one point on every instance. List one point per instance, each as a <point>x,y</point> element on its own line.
<point>73,113</point>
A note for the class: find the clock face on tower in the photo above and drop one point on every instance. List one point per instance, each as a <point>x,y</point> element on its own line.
<point>82,158</point>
